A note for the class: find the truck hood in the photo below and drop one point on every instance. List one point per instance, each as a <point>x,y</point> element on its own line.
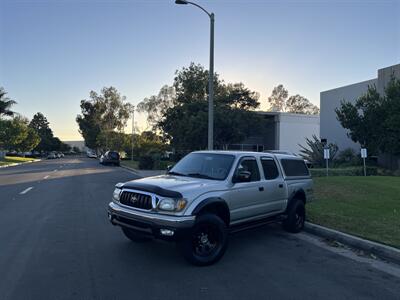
<point>173,186</point>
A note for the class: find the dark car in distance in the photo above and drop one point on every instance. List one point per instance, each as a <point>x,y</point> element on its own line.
<point>110,158</point>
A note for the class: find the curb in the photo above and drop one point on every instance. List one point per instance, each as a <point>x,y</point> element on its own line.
<point>386,252</point>
<point>21,163</point>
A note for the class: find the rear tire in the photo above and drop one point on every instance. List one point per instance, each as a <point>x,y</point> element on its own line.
<point>133,236</point>
<point>296,216</point>
<point>207,241</point>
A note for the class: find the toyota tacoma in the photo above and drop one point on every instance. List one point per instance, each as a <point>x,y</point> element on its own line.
<point>209,194</point>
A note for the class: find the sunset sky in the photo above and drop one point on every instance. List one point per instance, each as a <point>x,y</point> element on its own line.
<point>52,53</point>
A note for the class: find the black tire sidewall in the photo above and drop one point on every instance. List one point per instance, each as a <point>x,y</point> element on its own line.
<point>290,222</point>
<point>186,245</point>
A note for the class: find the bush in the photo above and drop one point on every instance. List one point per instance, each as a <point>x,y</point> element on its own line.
<point>348,157</point>
<point>353,171</point>
<point>146,163</point>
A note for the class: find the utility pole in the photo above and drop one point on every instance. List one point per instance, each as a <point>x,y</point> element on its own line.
<point>133,128</point>
<point>210,143</point>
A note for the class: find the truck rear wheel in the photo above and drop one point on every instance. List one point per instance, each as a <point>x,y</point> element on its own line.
<point>133,236</point>
<point>207,241</point>
<point>296,216</point>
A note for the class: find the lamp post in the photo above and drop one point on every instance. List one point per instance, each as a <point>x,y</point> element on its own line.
<point>133,128</point>
<point>210,76</point>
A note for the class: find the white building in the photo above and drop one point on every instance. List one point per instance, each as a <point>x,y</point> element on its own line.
<point>331,129</point>
<point>282,131</point>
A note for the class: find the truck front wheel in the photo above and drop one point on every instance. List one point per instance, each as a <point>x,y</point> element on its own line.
<point>296,216</point>
<point>207,241</point>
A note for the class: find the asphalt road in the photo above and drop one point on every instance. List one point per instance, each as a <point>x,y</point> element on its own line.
<point>56,243</point>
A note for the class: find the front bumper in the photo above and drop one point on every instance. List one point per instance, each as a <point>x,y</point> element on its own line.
<point>150,224</point>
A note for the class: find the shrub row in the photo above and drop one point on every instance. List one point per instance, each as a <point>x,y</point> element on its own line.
<point>353,171</point>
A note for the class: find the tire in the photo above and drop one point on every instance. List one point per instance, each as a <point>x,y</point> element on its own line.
<point>206,242</point>
<point>296,216</point>
<point>133,236</point>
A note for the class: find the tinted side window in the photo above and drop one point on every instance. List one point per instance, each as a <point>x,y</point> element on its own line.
<point>270,169</point>
<point>294,167</point>
<point>251,166</point>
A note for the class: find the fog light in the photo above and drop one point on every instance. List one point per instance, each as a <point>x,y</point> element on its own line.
<point>167,232</point>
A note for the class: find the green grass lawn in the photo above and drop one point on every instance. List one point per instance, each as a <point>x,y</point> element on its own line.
<point>368,207</point>
<point>8,160</point>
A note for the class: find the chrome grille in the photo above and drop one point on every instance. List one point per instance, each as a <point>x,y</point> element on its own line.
<point>136,200</point>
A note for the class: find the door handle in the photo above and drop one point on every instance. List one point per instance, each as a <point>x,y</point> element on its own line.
<point>261,188</point>
<point>280,185</point>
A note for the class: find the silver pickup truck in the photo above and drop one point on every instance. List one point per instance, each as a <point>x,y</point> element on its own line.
<point>209,194</point>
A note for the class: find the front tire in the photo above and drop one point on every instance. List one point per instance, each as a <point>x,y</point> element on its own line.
<point>133,236</point>
<point>296,216</point>
<point>207,241</point>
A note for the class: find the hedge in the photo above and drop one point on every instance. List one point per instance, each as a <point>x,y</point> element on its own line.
<point>353,171</point>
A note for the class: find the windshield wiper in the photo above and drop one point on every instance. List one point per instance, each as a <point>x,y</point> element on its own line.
<point>176,173</point>
<point>198,175</point>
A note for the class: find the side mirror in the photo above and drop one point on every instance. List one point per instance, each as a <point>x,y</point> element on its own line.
<point>242,176</point>
<point>169,167</point>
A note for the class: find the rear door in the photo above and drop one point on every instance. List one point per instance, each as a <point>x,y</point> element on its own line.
<point>274,187</point>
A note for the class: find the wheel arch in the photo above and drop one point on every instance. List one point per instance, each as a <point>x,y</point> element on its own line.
<point>297,194</point>
<point>214,205</point>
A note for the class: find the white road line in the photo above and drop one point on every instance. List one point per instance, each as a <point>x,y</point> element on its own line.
<point>47,176</point>
<point>26,190</point>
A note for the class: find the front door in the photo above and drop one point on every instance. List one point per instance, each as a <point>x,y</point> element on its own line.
<point>245,198</point>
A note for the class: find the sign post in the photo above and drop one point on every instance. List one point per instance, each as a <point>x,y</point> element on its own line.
<point>364,156</point>
<point>326,157</point>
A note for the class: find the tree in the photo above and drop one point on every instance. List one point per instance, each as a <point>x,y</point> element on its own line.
<point>374,119</point>
<point>156,106</point>
<point>281,102</point>
<point>300,105</point>
<point>314,151</point>
<point>104,112</point>
<point>40,124</point>
<point>390,142</point>
<point>5,104</point>
<point>16,135</point>
<point>277,100</point>
<point>30,142</point>
<point>184,121</point>
<point>364,119</point>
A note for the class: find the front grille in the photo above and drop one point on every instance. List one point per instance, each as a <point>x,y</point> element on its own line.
<point>136,200</point>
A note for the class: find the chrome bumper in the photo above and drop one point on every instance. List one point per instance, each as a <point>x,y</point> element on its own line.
<point>151,219</point>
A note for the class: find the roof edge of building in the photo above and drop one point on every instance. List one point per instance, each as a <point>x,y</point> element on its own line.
<point>349,85</point>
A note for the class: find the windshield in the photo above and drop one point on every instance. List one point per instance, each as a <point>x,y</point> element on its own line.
<point>204,165</point>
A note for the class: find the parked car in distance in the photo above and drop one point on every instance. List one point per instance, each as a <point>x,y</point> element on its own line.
<point>110,158</point>
<point>91,154</point>
<point>52,155</point>
<point>208,194</point>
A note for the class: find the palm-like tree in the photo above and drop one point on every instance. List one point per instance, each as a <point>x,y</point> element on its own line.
<point>5,104</point>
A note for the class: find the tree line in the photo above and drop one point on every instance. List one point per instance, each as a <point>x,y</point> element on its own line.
<point>19,134</point>
<point>178,114</point>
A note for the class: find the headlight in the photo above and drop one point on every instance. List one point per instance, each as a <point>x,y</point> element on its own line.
<point>169,204</point>
<point>116,194</point>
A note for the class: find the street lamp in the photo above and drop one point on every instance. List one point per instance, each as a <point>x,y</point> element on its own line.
<point>133,129</point>
<point>210,77</point>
